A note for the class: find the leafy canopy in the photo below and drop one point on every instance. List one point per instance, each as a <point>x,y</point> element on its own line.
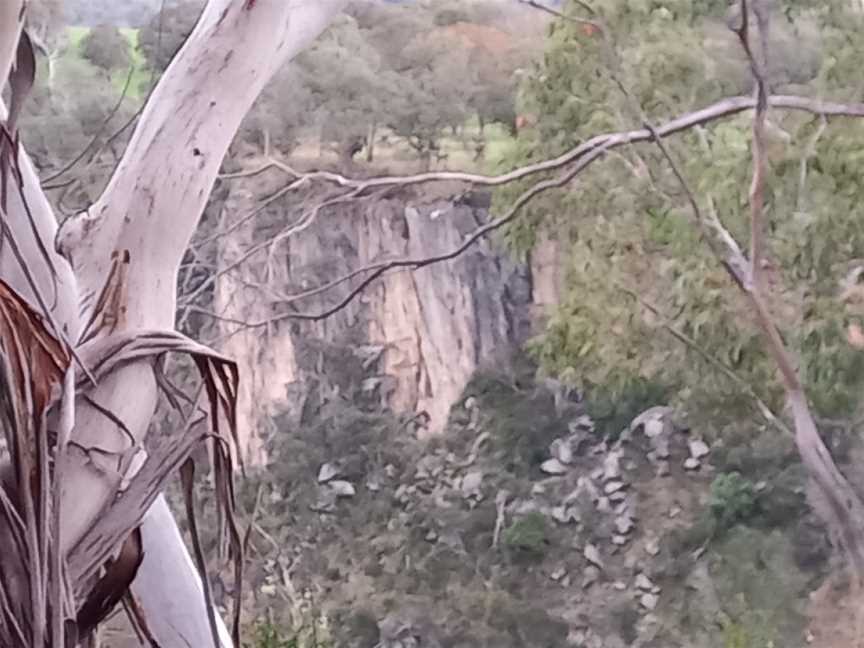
<point>637,264</point>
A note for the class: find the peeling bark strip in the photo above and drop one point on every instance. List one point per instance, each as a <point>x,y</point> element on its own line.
<point>32,367</point>
<point>112,586</point>
<point>106,356</point>
<point>144,201</point>
<point>150,208</point>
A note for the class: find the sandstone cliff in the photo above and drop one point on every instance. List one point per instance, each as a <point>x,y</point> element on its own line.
<point>423,332</point>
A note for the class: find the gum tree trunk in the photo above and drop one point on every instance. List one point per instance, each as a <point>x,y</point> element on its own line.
<point>148,213</point>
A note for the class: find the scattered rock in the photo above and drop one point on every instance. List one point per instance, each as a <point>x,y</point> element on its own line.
<point>566,514</point>
<point>653,421</point>
<point>698,448</point>
<point>674,512</point>
<point>612,466</point>
<point>401,493</point>
<point>661,447</point>
<point>582,422</point>
<point>624,524</point>
<point>644,583</point>
<point>558,573</point>
<point>620,496</point>
<point>649,601</point>
<point>654,428</point>
<point>620,586</point>
<point>584,488</point>
<point>341,488</point>
<point>431,536</point>
<point>592,555</point>
<point>590,576</point>
<point>619,540</point>
<point>553,467</point>
<point>471,484</point>
<point>663,469</point>
<point>652,547</point>
<point>603,505</point>
<point>327,472</point>
<point>691,463</point>
<point>613,487</point>
<point>561,450</point>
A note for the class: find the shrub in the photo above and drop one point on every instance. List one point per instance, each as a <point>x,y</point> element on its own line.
<point>528,536</point>
<point>520,415</point>
<point>733,499</point>
<point>614,406</point>
<point>269,635</point>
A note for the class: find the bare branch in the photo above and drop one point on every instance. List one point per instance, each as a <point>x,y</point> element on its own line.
<point>723,108</point>
<point>757,185</point>
<point>99,132</point>
<point>376,270</point>
<point>720,366</point>
<point>559,14</point>
<point>585,153</point>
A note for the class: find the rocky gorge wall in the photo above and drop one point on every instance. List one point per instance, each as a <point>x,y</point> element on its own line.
<point>423,333</point>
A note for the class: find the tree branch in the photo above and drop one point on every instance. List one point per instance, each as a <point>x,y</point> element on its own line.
<point>723,108</point>
<point>758,182</point>
<point>376,270</point>
<point>75,160</point>
<point>583,154</point>
<point>720,366</point>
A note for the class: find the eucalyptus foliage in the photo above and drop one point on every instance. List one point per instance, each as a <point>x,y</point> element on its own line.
<point>637,263</point>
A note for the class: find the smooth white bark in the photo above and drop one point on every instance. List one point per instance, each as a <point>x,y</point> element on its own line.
<point>48,270</point>
<point>156,196</point>
<point>11,21</point>
<point>168,586</point>
<point>150,208</point>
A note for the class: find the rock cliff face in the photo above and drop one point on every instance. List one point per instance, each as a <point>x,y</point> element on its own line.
<point>424,332</point>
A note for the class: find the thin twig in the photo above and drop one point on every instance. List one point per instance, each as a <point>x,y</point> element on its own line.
<point>379,269</point>
<point>734,263</point>
<point>723,368</point>
<point>71,164</point>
